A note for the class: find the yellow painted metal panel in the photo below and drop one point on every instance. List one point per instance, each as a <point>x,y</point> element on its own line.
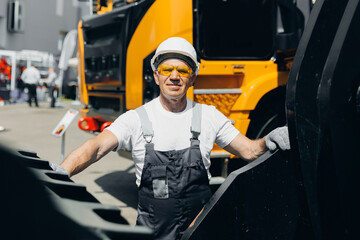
<point>255,79</point>
<point>104,9</point>
<point>255,90</point>
<point>81,67</point>
<point>222,102</point>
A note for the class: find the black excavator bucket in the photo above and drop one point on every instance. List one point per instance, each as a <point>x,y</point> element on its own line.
<point>310,192</point>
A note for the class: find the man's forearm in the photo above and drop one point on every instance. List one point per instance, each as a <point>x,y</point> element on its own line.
<point>80,158</point>
<point>258,148</point>
<point>255,149</point>
<point>246,148</point>
<point>90,152</point>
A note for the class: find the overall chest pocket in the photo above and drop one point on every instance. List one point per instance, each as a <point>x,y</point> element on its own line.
<point>159,182</point>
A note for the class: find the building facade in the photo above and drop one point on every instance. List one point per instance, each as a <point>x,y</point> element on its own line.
<point>39,25</point>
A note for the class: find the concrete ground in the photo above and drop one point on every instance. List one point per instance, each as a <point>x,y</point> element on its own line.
<point>111,180</point>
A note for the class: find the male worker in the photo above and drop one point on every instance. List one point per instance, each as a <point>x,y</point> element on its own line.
<point>31,78</point>
<point>51,84</point>
<point>171,138</point>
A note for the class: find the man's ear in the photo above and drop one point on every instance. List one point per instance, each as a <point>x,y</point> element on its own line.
<point>156,77</point>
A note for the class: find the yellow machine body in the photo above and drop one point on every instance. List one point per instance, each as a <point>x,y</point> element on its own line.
<point>234,87</point>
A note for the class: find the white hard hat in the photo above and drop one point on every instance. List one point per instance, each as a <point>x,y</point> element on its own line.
<point>176,46</point>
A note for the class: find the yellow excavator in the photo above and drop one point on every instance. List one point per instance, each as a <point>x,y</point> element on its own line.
<point>246,50</point>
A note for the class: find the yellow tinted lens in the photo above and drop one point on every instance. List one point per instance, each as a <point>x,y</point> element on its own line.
<point>184,71</point>
<point>165,70</point>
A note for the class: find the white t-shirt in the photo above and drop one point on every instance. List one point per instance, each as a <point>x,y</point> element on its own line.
<point>31,75</point>
<point>171,131</point>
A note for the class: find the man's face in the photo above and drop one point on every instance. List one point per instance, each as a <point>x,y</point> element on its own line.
<point>174,85</point>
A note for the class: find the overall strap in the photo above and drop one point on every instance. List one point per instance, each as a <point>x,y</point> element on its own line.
<point>196,121</point>
<point>146,125</point>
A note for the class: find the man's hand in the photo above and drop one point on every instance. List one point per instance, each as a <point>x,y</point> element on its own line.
<point>58,168</point>
<point>279,137</point>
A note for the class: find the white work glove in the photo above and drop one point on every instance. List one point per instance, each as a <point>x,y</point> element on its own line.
<point>59,169</point>
<point>279,137</point>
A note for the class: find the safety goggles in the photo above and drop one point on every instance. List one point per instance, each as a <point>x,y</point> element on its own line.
<point>166,70</point>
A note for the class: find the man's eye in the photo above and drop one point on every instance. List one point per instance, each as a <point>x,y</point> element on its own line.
<point>182,70</point>
<point>168,69</point>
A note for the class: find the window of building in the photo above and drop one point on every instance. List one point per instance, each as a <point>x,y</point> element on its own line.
<point>15,16</point>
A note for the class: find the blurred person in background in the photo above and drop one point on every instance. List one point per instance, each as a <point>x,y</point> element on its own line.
<point>51,84</point>
<point>31,78</point>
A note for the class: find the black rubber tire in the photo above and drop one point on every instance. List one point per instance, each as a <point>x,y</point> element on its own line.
<point>268,114</point>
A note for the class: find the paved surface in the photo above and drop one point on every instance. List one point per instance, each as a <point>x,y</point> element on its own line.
<point>111,180</point>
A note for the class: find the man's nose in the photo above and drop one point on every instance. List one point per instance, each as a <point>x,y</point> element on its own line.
<point>174,75</point>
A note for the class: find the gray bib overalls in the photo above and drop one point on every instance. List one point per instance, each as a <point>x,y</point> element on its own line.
<point>174,184</point>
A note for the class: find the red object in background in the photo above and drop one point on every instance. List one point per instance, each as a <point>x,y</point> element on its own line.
<point>90,123</point>
<point>95,124</point>
<point>5,68</point>
<point>105,125</point>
